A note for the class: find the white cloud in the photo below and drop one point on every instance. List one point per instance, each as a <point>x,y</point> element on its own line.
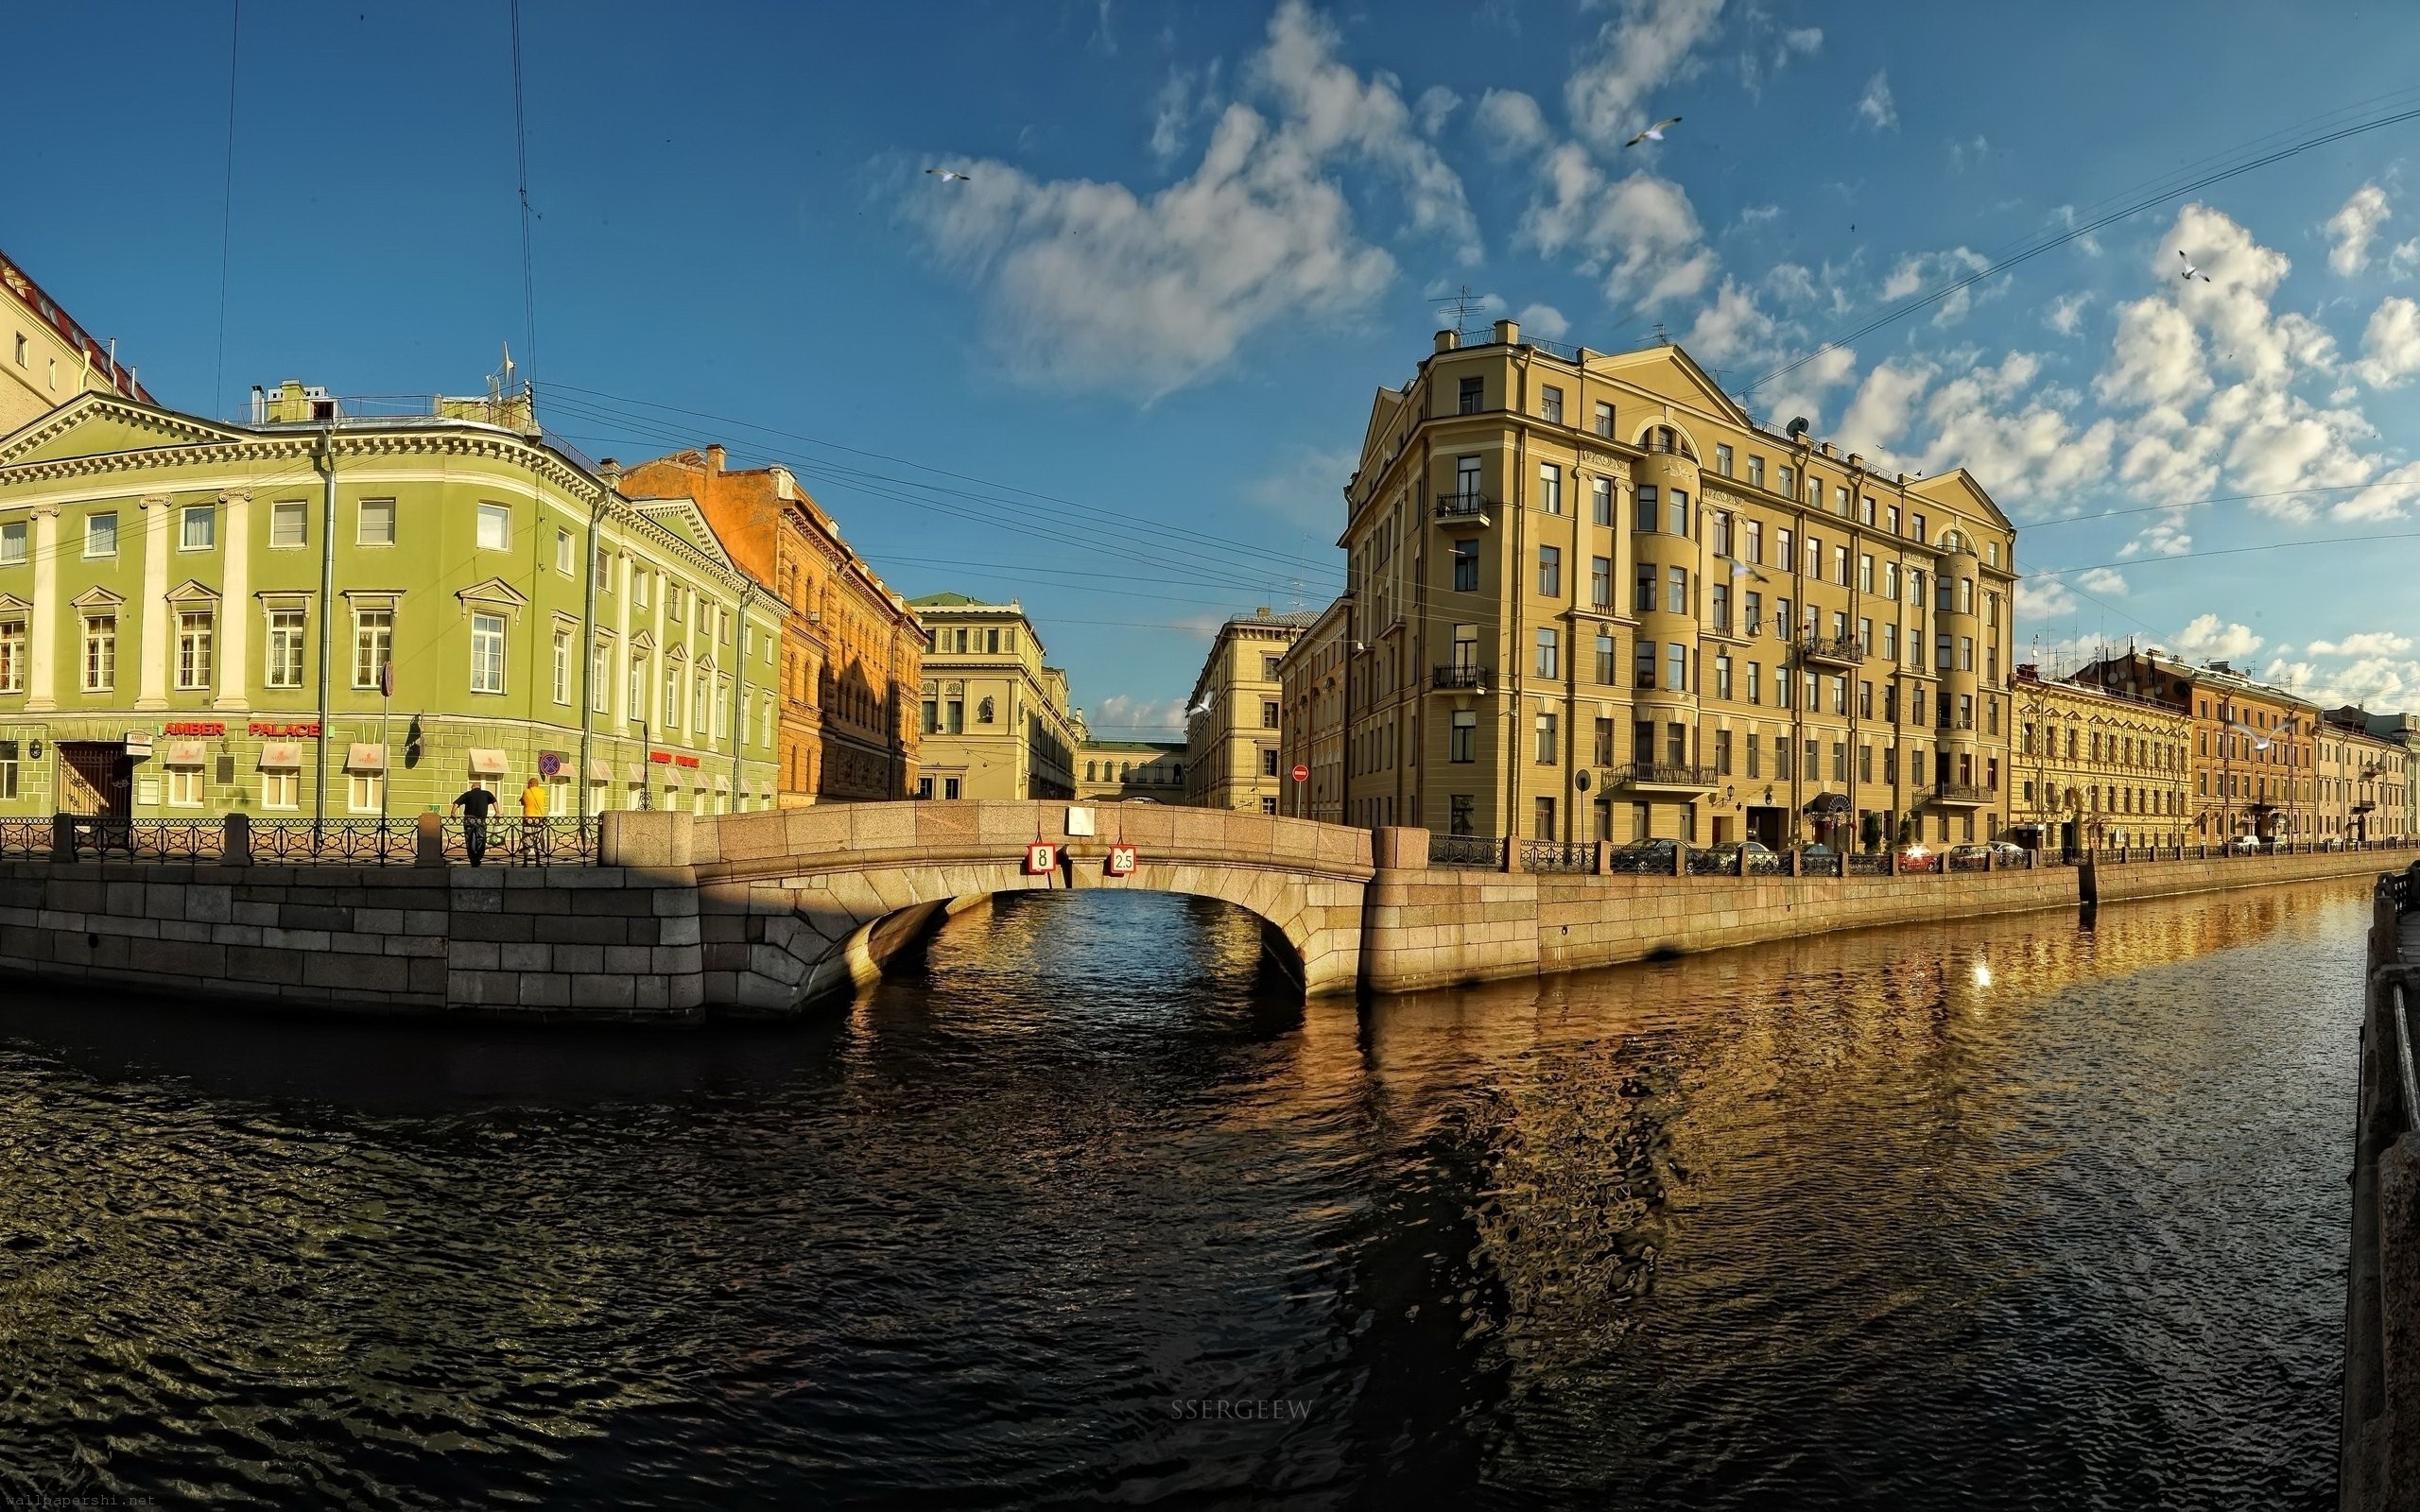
<point>1090,286</point>
<point>2102,580</point>
<point>2390,343</point>
<point>1969,152</point>
<point>1875,107</point>
<point>2164,537</point>
<point>1884,406</point>
<point>1918,271</point>
<point>2066,216</point>
<point>2211,639</point>
<point>1435,105</point>
<point>1769,50</point>
<point>2404,259</point>
<point>1760,214</point>
<point>1124,716</point>
<point>1802,40</point>
<point>2386,499</point>
<point>1650,45</point>
<point>2350,229</point>
<point>1801,393</point>
<point>2044,598</point>
<point>2155,359</point>
<point>2065,314</point>
<point>1510,122</point>
<point>2023,446</point>
<point>1307,486</point>
<point>2362,643</point>
<point>1729,329</point>
<point>1546,320</point>
<point>1640,234</point>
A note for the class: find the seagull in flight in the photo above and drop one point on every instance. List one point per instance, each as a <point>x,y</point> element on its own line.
<point>2260,741</point>
<point>1740,569</point>
<point>1653,134</point>
<point>2191,271</point>
<point>945,175</point>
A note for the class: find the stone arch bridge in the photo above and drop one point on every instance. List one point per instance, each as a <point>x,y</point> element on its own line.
<point>800,905</point>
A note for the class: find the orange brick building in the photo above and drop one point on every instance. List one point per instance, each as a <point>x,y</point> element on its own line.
<point>851,653</point>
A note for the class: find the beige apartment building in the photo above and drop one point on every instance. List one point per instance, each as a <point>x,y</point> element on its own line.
<point>2097,769</point>
<point>1311,717</point>
<point>1591,597</point>
<point>1116,771</point>
<point>995,718</point>
<point>2255,747</point>
<point>46,358</point>
<point>2362,780</point>
<point>1231,730</point>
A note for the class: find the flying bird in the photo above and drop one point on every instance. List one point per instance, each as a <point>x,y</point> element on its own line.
<point>1740,569</point>
<point>945,175</point>
<point>2191,271</point>
<point>1653,134</point>
<point>2260,741</point>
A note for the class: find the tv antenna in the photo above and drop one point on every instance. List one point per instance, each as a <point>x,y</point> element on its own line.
<point>1459,307</point>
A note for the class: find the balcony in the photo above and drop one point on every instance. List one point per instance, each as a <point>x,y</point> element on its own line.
<point>1458,676</point>
<point>1963,795</point>
<point>1816,650</point>
<point>1464,509</point>
<point>1666,777</point>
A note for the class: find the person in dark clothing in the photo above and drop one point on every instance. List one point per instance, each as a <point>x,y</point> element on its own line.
<point>475,804</point>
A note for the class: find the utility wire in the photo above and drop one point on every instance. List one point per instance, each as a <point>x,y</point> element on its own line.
<point>521,156</point>
<point>227,208</point>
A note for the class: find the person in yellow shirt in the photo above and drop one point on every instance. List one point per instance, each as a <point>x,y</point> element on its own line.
<point>533,818</point>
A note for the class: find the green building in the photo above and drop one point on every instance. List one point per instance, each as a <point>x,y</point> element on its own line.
<point>332,613</point>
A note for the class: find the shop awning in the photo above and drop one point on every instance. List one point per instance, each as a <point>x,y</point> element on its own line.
<point>485,763</point>
<point>282,756</point>
<point>1828,803</point>
<point>363,756</point>
<point>722,784</point>
<point>183,753</point>
<point>635,773</point>
<point>600,771</point>
<point>672,776</point>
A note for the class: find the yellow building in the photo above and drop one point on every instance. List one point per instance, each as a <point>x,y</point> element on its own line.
<point>995,719</point>
<point>1231,759</point>
<point>1592,598</point>
<point>45,358</point>
<point>1115,771</point>
<point>2097,769</point>
<point>2360,780</point>
<point>1311,717</point>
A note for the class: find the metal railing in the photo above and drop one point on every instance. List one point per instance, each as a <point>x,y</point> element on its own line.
<point>1647,861</point>
<point>1473,852</point>
<point>1714,864</point>
<point>355,842</point>
<point>1558,855</point>
<point>1810,866</point>
<point>1666,774</point>
<point>1867,862</point>
<point>1458,675</point>
<point>518,842</point>
<point>1962,792</point>
<point>26,840</point>
<point>1840,650</point>
<point>1771,864</point>
<point>1463,506</point>
<point>1969,861</point>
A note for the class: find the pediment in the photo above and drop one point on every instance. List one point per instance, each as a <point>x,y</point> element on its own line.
<point>97,597</point>
<point>1958,489</point>
<point>100,425</point>
<point>1670,373</point>
<point>494,591</point>
<point>684,519</point>
<point>193,591</point>
<point>12,604</point>
<point>644,640</point>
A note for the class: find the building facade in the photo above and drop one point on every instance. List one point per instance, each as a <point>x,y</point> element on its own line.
<point>2402,732</point>
<point>1592,598</point>
<point>1233,721</point>
<point>1310,694</point>
<point>2362,780</point>
<point>1113,771</point>
<point>851,651</point>
<point>48,359</point>
<point>2255,747</point>
<point>341,616</point>
<point>2096,768</point>
<point>995,715</point>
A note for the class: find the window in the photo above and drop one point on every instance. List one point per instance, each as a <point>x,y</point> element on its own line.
<point>1756,685</point>
<point>1269,668</point>
<point>194,637</point>
<point>487,651</point>
<point>1550,405</point>
<point>1864,573</point>
<point>1466,566</point>
<point>699,686</point>
<point>1676,591</point>
<point>12,655</point>
<point>953,711</point>
<point>1677,512</point>
<point>22,348</point>
<point>1865,510</point>
<point>1917,523</point>
<point>198,527</point>
<point>284,664</point>
<point>1550,571</point>
<point>1789,481</point>
<point>1604,418</point>
<point>1723,459</point>
<point>365,791</point>
<point>495,528</point>
<point>640,583</point>
<point>100,535</point>
<point>674,594</point>
<point>1643,587</point>
<point>374,522</point>
<point>1600,506</point>
<point>561,665</point>
<point>563,558</point>
<point>1268,714</point>
<point>1549,658</point>
<point>604,571</point>
<point>1841,502</point>
<point>1676,668</point>
<point>1643,502</point>
<point>1550,488</point>
<point>281,790</point>
<point>12,543</point>
<point>600,676</point>
<point>373,645</point>
<point>184,787</point>
<point>1608,667</point>
<point>1642,659</point>
<point>1473,393</point>
<point>1722,675</point>
<point>1463,744</point>
<point>100,653</point>
<point>1460,817</point>
<point>672,671</point>
<point>288,527</point>
<point>1782,542</point>
<point>1549,747</point>
<point>1267,761</point>
<point>637,691</point>
<point>1544,811</point>
<point>1600,583</point>
<point>1757,471</point>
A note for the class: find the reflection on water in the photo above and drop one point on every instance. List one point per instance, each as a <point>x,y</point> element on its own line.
<point>1081,1205</point>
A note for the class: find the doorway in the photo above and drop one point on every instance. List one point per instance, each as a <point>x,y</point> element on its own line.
<point>95,777</point>
<point>1764,827</point>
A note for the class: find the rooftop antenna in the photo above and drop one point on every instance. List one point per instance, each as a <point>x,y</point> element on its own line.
<point>1459,308</point>
<point>1661,338</point>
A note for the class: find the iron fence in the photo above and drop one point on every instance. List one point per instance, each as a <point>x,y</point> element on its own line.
<point>25,839</point>
<point>526,842</point>
<point>1969,862</point>
<point>1713,864</point>
<point>1477,852</point>
<point>1637,860</point>
<point>1767,864</point>
<point>1558,855</point>
<point>1821,866</point>
<point>1869,864</point>
<point>354,842</point>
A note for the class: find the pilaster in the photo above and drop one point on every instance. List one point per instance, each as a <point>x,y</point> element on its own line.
<point>41,692</point>
<point>236,614</point>
<point>154,689</point>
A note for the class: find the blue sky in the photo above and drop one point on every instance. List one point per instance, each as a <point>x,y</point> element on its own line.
<point>1199,236</point>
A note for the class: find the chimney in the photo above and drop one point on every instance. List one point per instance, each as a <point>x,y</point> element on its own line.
<point>715,455</point>
<point>1448,340</point>
<point>1507,332</point>
<point>1828,450</point>
<point>611,471</point>
<point>1261,613</point>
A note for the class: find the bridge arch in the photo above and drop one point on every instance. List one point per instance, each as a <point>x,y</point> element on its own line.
<point>802,904</point>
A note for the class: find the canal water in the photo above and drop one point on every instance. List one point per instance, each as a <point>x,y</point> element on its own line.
<point>1080,1207</point>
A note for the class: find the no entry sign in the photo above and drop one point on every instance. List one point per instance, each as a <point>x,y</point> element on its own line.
<point>1301,773</point>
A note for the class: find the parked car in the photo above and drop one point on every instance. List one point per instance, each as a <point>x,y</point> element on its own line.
<point>2007,854</point>
<point>2244,842</point>
<point>1820,851</point>
<point>1755,848</point>
<point>1643,855</point>
<point>1917,857</point>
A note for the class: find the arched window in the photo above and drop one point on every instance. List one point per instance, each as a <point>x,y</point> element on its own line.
<point>1090,775</point>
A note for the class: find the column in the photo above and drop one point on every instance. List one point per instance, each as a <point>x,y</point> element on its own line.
<point>235,610</point>
<point>42,633</point>
<point>154,612</point>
